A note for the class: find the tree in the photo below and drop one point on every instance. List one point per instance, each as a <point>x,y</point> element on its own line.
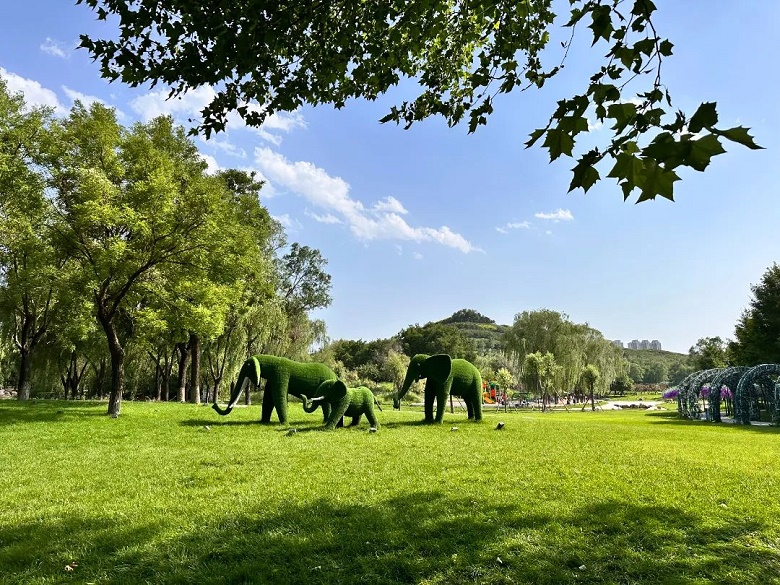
<point>539,371</point>
<point>590,374</point>
<point>656,373</point>
<point>130,203</point>
<point>267,57</point>
<point>29,268</point>
<point>757,332</point>
<point>433,338</point>
<point>303,281</point>
<point>708,353</point>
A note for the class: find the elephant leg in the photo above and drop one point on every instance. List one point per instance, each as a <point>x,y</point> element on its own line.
<point>356,420</point>
<point>469,408</point>
<point>280,398</point>
<point>268,404</point>
<point>441,404</point>
<point>340,424</point>
<point>429,398</point>
<point>371,416</point>
<point>476,399</point>
<point>326,408</point>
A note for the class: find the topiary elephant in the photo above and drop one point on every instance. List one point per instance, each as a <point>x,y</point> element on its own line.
<point>282,376</point>
<point>343,401</point>
<point>444,376</point>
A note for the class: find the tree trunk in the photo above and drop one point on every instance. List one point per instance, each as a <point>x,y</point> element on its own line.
<point>23,383</point>
<point>182,376</point>
<point>117,353</point>
<point>194,347</point>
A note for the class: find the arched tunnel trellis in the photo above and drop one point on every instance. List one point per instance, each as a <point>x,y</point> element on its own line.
<point>728,377</point>
<point>748,400</point>
<point>688,397</point>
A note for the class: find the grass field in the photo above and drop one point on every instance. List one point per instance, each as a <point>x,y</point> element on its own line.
<point>562,497</point>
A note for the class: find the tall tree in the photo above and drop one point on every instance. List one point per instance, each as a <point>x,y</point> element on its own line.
<point>130,203</point>
<point>708,353</point>
<point>304,283</point>
<point>265,57</point>
<point>28,264</point>
<point>590,374</point>
<point>433,338</point>
<point>757,332</point>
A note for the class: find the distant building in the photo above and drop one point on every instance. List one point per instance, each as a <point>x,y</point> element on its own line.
<point>617,343</point>
<point>644,344</point>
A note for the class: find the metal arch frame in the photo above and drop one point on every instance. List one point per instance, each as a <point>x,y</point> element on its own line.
<point>744,406</point>
<point>690,391</point>
<point>681,392</point>
<point>726,376</point>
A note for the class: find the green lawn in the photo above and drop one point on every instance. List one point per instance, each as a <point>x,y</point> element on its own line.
<point>562,497</point>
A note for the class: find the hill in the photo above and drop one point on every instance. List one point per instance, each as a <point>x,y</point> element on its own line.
<point>483,331</point>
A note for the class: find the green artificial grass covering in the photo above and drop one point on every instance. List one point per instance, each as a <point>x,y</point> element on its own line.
<point>444,376</point>
<point>172,493</point>
<point>282,376</point>
<point>351,402</point>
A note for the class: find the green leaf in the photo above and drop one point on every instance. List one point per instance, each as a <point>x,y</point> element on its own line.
<point>665,48</point>
<point>705,117</point>
<point>535,135</point>
<point>702,150</point>
<point>739,134</point>
<point>656,180</point>
<point>585,176</point>
<point>558,142</point>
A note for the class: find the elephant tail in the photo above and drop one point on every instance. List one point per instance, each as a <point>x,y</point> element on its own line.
<point>376,403</point>
<point>220,411</point>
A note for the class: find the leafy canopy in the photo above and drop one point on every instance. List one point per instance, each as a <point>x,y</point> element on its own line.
<point>265,56</point>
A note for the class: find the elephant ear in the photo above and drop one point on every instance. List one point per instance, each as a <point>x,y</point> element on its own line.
<point>324,388</point>
<point>438,367</point>
<point>338,391</point>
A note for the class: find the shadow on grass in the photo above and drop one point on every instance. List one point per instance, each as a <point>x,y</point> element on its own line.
<point>672,418</point>
<point>430,536</point>
<point>29,411</point>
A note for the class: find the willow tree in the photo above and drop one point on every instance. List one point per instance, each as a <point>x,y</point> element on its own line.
<point>130,202</point>
<point>265,57</point>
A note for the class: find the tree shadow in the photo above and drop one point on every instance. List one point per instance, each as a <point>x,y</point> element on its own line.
<point>672,418</point>
<point>31,411</point>
<point>431,536</point>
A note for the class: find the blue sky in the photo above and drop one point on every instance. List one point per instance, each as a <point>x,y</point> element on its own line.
<point>417,224</point>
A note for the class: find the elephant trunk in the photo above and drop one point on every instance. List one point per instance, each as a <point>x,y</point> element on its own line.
<point>241,384</point>
<point>310,405</point>
<point>410,379</point>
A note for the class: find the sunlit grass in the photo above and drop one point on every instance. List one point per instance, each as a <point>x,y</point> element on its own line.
<point>562,497</point>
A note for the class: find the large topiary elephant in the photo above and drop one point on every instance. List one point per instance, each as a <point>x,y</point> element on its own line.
<point>343,401</point>
<point>282,376</point>
<point>444,376</point>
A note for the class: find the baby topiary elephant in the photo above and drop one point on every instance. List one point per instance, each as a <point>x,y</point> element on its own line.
<point>354,402</point>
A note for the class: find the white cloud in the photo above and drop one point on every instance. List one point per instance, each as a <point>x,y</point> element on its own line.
<point>417,256</point>
<point>55,48</point>
<point>213,165</point>
<point>556,216</point>
<point>88,100</point>
<point>593,126</point>
<point>327,218</point>
<point>332,194</point>
<point>189,105</point>
<point>288,222</point>
<point>390,205</point>
<point>513,226</point>
<point>224,145</point>
<point>34,93</point>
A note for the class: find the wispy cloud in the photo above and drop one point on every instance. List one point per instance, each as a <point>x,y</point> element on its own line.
<point>55,48</point>
<point>88,100</point>
<point>327,218</point>
<point>213,165</point>
<point>34,93</point>
<point>556,216</point>
<point>288,222</point>
<point>524,225</point>
<point>381,221</point>
<point>191,103</point>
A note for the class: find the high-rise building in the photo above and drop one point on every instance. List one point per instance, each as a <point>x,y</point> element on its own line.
<point>617,343</point>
